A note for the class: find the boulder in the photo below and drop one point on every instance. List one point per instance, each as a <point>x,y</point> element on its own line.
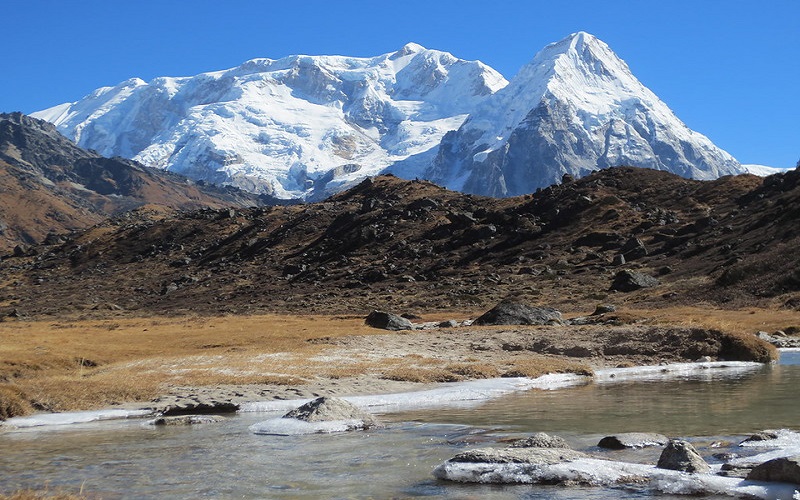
<point>534,456</point>
<point>540,440</point>
<point>388,321</point>
<point>760,436</point>
<point>633,440</point>
<point>681,455</point>
<point>327,409</point>
<point>783,470</point>
<point>630,281</point>
<point>185,420</point>
<point>634,249</point>
<point>515,313</point>
<point>197,407</point>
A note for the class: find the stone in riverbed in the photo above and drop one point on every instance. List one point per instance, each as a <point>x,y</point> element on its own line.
<point>388,321</point>
<point>534,456</point>
<point>761,436</point>
<point>515,313</point>
<point>185,420</point>
<point>633,440</point>
<point>327,409</point>
<point>681,456</point>
<point>197,406</point>
<point>541,440</point>
<point>783,470</point>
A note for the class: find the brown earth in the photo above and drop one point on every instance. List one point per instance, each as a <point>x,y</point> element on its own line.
<point>410,246</point>
<point>51,186</point>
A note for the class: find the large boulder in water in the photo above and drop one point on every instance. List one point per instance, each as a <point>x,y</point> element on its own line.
<point>681,455</point>
<point>515,313</point>
<point>632,440</point>
<point>388,321</point>
<point>784,470</point>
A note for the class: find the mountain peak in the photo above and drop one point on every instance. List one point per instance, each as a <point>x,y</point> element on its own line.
<point>575,108</point>
<point>410,48</point>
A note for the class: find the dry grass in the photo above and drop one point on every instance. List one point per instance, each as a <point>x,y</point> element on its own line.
<point>69,365</point>
<point>536,366</point>
<point>746,321</point>
<point>90,364</point>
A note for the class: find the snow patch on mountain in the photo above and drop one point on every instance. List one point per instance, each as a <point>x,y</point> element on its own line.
<point>296,127</point>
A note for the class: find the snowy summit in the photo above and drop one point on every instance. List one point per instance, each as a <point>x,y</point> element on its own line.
<point>296,127</point>
<point>575,108</point>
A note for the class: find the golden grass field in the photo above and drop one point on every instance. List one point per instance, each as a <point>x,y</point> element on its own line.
<point>87,364</point>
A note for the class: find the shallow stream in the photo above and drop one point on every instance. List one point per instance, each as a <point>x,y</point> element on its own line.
<point>127,459</point>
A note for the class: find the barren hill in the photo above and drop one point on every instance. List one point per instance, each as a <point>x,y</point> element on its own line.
<point>413,246</point>
<point>50,185</point>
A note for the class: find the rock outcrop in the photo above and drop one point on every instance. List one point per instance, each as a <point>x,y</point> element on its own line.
<point>515,313</point>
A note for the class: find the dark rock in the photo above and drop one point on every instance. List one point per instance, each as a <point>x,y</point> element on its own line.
<point>632,440</point>
<point>681,455</point>
<point>619,260</point>
<point>630,281</point>
<point>541,440</point>
<point>761,436</point>
<point>331,409</point>
<point>451,323</point>
<point>515,313</point>
<point>784,470</point>
<point>388,321</point>
<point>195,407</point>
<point>634,249</point>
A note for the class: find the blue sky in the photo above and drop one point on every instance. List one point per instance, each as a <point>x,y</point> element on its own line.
<point>729,69</point>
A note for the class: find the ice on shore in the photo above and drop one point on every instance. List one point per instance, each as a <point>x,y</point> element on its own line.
<point>476,392</point>
<point>76,417</point>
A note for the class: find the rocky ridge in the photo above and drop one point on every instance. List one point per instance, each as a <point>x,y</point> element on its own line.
<point>50,185</point>
<point>398,245</point>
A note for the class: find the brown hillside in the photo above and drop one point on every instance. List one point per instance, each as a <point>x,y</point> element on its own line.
<point>413,246</point>
<point>50,185</point>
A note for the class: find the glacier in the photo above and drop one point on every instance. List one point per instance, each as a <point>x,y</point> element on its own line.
<point>298,127</point>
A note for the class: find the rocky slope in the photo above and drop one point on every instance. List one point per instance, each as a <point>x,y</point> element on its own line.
<point>49,185</point>
<point>413,246</point>
<point>575,108</point>
<point>296,127</point>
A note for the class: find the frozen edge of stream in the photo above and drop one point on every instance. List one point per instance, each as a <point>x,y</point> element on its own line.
<point>464,394</point>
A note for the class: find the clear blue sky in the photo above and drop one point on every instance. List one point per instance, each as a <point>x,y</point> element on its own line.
<point>729,69</point>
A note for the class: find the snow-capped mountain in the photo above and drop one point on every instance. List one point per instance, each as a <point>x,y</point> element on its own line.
<point>575,108</point>
<point>297,127</point>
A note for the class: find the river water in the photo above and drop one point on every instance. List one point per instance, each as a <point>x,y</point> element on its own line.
<point>127,459</point>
